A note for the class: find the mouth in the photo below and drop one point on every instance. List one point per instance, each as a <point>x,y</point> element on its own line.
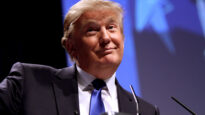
<point>109,48</point>
<point>105,51</point>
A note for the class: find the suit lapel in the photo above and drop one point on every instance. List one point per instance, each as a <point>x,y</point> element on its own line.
<point>66,91</point>
<point>65,88</point>
<point>126,102</point>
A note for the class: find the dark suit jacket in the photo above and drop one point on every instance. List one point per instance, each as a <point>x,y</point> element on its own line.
<point>32,89</point>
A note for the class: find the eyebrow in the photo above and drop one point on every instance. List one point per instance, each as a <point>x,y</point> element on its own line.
<point>93,22</point>
<point>89,22</point>
<point>112,20</point>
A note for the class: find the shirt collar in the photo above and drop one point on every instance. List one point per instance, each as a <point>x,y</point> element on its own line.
<point>110,83</point>
<point>84,80</point>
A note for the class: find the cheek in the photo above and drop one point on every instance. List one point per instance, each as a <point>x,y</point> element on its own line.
<point>118,39</point>
<point>92,42</point>
<point>87,44</point>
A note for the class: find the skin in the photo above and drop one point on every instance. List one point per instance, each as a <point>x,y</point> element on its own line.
<point>97,43</point>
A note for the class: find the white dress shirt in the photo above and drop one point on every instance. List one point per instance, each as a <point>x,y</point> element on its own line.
<point>109,93</point>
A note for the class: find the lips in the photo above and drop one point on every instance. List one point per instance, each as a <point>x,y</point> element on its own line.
<point>107,50</point>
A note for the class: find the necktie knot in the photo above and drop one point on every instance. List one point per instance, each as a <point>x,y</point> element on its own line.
<point>96,103</point>
<point>98,84</point>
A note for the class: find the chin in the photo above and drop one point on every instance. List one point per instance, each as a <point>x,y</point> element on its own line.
<point>110,60</point>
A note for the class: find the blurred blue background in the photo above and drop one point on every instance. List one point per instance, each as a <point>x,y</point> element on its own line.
<point>164,52</point>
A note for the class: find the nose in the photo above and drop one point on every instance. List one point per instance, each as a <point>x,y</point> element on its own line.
<point>104,37</point>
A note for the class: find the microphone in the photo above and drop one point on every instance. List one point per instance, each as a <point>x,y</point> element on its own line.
<point>183,106</point>
<point>135,98</point>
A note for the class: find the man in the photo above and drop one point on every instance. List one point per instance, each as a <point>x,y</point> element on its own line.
<point>93,36</point>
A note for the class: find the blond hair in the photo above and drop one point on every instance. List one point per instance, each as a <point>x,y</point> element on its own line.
<point>84,5</point>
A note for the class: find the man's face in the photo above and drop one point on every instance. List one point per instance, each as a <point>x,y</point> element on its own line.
<point>98,40</point>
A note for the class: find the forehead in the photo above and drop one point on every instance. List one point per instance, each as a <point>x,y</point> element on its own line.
<point>100,16</point>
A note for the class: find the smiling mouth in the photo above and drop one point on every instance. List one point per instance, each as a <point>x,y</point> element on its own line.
<point>106,51</point>
<point>108,48</point>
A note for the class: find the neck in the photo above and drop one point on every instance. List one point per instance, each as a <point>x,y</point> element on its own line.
<point>100,72</point>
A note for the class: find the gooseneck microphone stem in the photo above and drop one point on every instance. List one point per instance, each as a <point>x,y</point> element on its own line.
<point>183,106</point>
<point>135,98</point>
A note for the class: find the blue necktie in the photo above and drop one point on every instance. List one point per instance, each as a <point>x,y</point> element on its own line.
<point>96,103</point>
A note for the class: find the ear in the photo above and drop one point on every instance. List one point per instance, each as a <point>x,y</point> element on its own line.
<point>70,47</point>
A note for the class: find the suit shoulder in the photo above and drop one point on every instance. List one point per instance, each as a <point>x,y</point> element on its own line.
<point>21,69</point>
<point>145,106</point>
<point>19,65</point>
<point>30,65</point>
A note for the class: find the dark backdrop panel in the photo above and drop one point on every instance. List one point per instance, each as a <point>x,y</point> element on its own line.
<point>32,32</point>
<point>163,75</point>
<point>177,67</point>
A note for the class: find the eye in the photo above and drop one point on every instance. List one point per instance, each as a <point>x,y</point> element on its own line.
<point>112,27</point>
<point>90,29</point>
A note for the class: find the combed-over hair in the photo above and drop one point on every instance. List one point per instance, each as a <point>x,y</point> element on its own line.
<point>84,5</point>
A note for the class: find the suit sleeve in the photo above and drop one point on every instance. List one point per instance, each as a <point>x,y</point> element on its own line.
<point>11,91</point>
